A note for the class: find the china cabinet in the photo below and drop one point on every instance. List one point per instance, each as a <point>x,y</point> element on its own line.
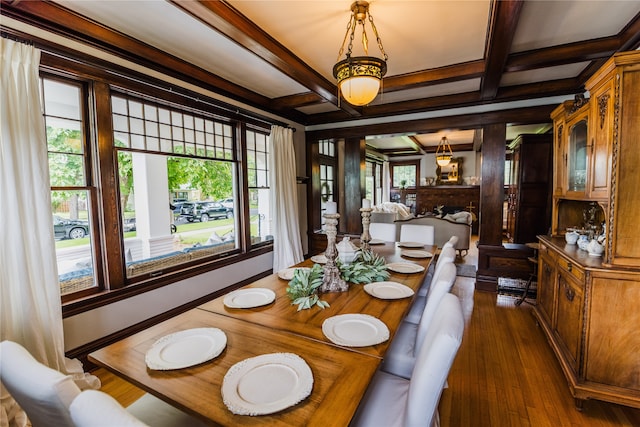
<point>588,305</point>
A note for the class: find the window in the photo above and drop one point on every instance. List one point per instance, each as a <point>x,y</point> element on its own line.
<point>71,193</point>
<point>163,151</point>
<point>373,181</point>
<point>405,174</point>
<point>258,183</point>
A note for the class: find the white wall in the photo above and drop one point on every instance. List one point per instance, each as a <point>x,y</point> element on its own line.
<point>94,324</point>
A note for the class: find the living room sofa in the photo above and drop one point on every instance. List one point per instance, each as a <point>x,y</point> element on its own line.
<point>444,228</point>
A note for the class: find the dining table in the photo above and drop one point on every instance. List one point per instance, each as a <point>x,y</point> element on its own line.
<point>339,374</point>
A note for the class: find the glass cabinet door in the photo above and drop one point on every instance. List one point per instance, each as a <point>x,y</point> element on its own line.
<point>577,167</point>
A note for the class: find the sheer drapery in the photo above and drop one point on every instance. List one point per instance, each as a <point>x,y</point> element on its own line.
<point>386,182</point>
<point>30,310</point>
<point>287,247</point>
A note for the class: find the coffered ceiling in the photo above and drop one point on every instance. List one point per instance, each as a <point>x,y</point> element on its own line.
<point>445,57</point>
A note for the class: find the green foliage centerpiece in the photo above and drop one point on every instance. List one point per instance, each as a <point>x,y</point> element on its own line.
<point>367,267</point>
<point>303,288</point>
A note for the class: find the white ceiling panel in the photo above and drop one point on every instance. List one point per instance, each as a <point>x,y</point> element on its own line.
<point>543,74</point>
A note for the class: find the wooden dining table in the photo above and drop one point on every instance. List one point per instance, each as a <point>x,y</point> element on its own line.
<point>341,374</point>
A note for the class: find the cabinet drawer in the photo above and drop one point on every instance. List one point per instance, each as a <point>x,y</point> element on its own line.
<point>571,268</point>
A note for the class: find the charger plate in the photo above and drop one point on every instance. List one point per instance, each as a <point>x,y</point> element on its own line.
<point>287,273</point>
<point>416,254</point>
<point>249,298</point>
<point>185,348</point>
<point>266,384</point>
<point>355,330</point>
<point>388,290</point>
<point>405,267</point>
<point>319,259</point>
<point>411,245</point>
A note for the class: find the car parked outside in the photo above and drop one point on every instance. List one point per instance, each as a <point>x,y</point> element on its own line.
<point>227,203</point>
<point>204,211</point>
<point>70,228</point>
<point>129,224</point>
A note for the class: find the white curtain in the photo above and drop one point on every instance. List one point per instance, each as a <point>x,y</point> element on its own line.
<point>30,309</point>
<point>386,182</point>
<point>287,246</point>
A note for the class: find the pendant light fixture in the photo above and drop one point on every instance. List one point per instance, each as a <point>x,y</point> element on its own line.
<point>359,77</point>
<point>443,152</point>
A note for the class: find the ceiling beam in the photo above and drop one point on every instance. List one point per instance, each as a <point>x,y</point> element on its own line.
<point>525,115</point>
<point>630,35</point>
<point>451,73</point>
<point>502,27</point>
<point>227,20</point>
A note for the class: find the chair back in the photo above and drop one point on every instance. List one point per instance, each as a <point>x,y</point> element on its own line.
<point>44,394</point>
<point>383,231</point>
<point>93,408</point>
<point>424,234</point>
<point>433,363</point>
<point>453,240</point>
<point>437,291</point>
<point>447,255</point>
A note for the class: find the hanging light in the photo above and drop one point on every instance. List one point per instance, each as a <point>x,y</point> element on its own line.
<point>359,77</point>
<point>443,152</point>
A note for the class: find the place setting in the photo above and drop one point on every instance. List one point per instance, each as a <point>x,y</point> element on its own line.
<point>266,384</point>
<point>411,245</point>
<point>249,298</point>
<point>355,330</point>
<point>388,290</point>
<point>185,349</point>
<point>416,253</point>
<point>288,273</point>
<point>405,267</point>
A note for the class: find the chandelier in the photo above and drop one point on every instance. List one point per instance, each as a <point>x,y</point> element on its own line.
<point>443,152</point>
<point>359,77</point>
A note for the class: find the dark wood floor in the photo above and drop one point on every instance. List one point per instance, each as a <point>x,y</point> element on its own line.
<point>505,375</point>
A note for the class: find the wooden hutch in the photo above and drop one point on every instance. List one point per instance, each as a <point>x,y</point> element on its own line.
<point>589,306</point>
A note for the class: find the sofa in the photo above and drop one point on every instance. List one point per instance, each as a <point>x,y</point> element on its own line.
<point>444,228</point>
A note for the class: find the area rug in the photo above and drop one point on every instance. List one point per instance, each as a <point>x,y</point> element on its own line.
<point>466,270</point>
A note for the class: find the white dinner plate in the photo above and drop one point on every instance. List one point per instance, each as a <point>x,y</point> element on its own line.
<point>377,242</point>
<point>287,273</point>
<point>266,384</point>
<point>186,348</point>
<point>319,259</point>
<point>405,267</point>
<point>388,290</point>
<point>411,245</point>
<point>416,254</point>
<point>355,330</point>
<point>249,297</point>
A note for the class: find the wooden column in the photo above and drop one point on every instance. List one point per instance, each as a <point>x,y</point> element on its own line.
<point>352,175</point>
<point>496,259</point>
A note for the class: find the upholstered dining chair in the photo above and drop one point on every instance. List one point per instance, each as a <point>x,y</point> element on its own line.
<point>43,393</point>
<point>453,240</point>
<point>393,401</point>
<point>146,411</point>
<point>383,231</point>
<point>403,351</point>
<point>447,255</point>
<point>93,408</point>
<point>424,234</point>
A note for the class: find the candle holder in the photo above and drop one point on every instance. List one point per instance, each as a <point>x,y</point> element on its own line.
<point>332,282</point>
<point>366,220</point>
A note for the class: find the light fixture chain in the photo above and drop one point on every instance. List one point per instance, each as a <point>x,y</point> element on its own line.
<point>350,26</point>
<point>365,40</point>
<point>378,39</point>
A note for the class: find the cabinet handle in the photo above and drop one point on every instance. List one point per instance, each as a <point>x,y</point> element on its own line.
<point>569,293</point>
<point>569,267</point>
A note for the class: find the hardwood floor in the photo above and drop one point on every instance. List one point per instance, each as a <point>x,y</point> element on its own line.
<point>505,373</point>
